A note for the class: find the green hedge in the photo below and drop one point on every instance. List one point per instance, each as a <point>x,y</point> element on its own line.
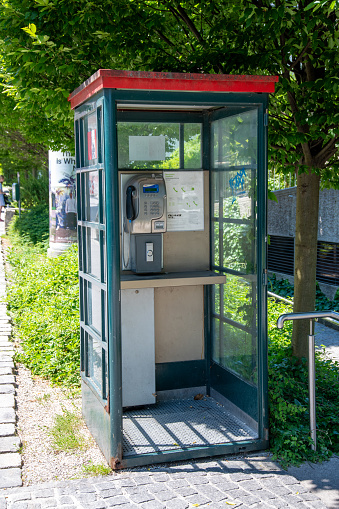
<point>43,301</point>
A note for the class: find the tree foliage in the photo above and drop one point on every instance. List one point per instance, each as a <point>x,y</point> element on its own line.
<point>50,47</point>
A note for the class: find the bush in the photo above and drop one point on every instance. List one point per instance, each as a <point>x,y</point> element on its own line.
<point>34,190</point>
<point>43,301</point>
<point>32,227</point>
<point>284,288</point>
<point>290,439</point>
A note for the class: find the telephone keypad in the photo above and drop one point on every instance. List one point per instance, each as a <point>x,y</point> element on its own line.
<point>155,208</point>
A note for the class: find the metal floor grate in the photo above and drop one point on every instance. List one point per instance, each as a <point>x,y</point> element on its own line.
<point>180,424</point>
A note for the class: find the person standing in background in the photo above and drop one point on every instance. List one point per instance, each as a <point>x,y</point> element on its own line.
<point>2,199</point>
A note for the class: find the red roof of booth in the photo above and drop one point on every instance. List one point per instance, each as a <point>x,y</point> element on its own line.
<point>140,80</point>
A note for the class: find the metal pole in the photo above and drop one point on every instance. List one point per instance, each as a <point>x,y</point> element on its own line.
<point>19,202</point>
<point>311,387</point>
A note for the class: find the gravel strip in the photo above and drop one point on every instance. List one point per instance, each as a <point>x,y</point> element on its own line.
<point>38,403</point>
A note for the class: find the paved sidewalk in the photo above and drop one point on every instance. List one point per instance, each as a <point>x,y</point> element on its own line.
<point>329,338</point>
<point>10,459</point>
<point>249,483</point>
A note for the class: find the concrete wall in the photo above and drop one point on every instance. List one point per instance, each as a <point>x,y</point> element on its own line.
<point>281,215</point>
<point>281,221</point>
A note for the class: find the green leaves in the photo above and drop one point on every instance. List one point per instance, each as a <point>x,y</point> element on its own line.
<point>290,439</point>
<point>30,30</point>
<point>43,301</point>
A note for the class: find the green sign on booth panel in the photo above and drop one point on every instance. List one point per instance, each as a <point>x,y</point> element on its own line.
<point>222,138</point>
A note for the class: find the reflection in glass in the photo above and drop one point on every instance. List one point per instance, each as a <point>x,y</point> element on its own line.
<point>216,342</point>
<point>215,244</point>
<point>151,145</point>
<point>92,138</point>
<point>137,151</point>
<point>94,307</point>
<point>106,389</point>
<point>192,146</point>
<point>239,301</point>
<point>93,252</point>
<point>104,256</point>
<point>233,188</point>
<point>239,247</point>
<point>92,196</point>
<point>95,361</point>
<point>236,351</point>
<point>235,140</point>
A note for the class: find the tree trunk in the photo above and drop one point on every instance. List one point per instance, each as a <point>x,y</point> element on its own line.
<point>305,257</point>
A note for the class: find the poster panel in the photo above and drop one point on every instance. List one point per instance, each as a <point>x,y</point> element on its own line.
<point>185,200</point>
<point>62,211</point>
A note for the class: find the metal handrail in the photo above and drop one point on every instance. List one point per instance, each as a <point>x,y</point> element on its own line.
<point>304,316</point>
<point>311,359</point>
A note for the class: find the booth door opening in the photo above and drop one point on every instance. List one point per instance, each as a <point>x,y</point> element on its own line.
<point>234,218</point>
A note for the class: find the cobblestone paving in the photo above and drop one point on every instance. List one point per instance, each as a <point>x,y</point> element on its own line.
<point>249,483</point>
<point>10,459</point>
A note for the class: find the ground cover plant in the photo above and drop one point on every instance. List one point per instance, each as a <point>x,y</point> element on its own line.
<point>43,302</point>
<point>284,288</point>
<point>288,398</point>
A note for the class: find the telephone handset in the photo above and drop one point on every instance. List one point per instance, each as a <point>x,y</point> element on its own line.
<point>130,207</point>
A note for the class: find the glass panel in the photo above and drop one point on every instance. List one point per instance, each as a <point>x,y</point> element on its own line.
<point>216,176</point>
<point>100,129</point>
<point>235,140</point>
<point>234,206</point>
<point>215,245</point>
<point>216,298</point>
<point>92,196</point>
<point>216,343</point>
<point>105,388</point>
<point>79,195</point>
<point>93,252</point>
<point>104,306</point>
<point>192,146</point>
<point>237,192</point>
<point>81,299</point>
<point>239,300</point>
<point>103,234</point>
<point>103,198</point>
<point>94,307</point>
<point>82,348</point>
<point>237,352</point>
<point>92,138</point>
<point>148,145</point>
<point>239,247</point>
<point>95,361</point>
<point>80,247</point>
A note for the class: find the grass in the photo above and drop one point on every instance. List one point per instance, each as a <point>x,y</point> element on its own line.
<point>92,469</point>
<point>65,433</point>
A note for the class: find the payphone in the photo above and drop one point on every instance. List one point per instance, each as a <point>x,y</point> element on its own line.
<point>143,222</point>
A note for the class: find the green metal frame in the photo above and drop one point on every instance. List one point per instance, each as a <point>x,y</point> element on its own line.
<point>106,419</point>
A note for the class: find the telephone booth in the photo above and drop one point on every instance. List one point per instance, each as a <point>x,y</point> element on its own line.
<point>172,188</point>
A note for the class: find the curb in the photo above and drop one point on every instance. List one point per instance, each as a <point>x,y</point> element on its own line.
<point>10,458</point>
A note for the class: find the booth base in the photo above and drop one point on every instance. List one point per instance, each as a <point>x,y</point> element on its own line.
<point>180,425</point>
